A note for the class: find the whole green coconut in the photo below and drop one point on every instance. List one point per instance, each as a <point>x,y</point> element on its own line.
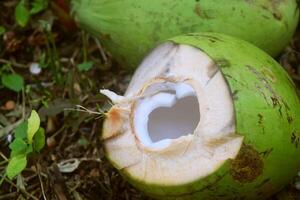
<point>131,28</point>
<point>206,116</point>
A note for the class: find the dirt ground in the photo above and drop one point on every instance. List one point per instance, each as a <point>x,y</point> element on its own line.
<point>74,67</point>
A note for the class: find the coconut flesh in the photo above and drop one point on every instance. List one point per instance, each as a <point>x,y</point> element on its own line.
<point>176,122</point>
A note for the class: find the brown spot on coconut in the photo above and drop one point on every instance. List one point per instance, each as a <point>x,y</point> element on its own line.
<point>247,166</point>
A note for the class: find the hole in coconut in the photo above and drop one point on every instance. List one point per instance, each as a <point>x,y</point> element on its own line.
<point>169,111</point>
<point>171,123</point>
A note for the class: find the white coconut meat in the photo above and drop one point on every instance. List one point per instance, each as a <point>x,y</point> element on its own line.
<point>176,122</point>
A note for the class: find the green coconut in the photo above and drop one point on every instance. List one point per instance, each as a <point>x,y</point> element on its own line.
<point>206,116</point>
<point>129,29</point>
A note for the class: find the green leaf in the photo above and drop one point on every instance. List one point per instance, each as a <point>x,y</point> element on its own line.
<point>15,166</point>
<point>39,140</point>
<point>14,82</point>
<point>2,30</point>
<point>22,14</point>
<point>29,149</point>
<point>37,6</point>
<point>33,125</point>
<point>18,146</point>
<point>21,130</point>
<point>85,66</point>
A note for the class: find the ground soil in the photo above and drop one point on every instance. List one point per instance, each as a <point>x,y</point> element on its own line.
<point>71,136</point>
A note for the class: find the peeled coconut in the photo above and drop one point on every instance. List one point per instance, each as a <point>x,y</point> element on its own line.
<point>206,116</point>
<point>130,28</point>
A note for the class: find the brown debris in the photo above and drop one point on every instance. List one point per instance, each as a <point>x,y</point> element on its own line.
<point>58,183</point>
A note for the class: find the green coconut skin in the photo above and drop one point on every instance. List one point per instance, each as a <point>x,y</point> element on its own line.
<point>129,29</point>
<point>267,115</point>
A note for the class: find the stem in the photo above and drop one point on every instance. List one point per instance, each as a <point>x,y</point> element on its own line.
<point>41,182</point>
<point>84,46</point>
<point>3,156</point>
<point>52,53</point>
<point>101,50</point>
<point>12,63</point>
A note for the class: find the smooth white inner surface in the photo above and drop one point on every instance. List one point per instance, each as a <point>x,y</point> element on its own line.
<point>172,122</point>
<point>168,114</point>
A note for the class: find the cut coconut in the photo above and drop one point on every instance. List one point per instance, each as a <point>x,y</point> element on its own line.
<point>176,123</point>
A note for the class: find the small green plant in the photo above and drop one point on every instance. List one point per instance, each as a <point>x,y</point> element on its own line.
<point>85,66</point>
<point>13,82</point>
<point>51,57</point>
<point>23,11</point>
<point>10,79</point>
<point>22,14</point>
<point>29,138</point>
